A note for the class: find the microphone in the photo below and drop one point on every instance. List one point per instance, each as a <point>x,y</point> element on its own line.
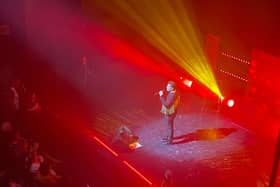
<point>157,93</point>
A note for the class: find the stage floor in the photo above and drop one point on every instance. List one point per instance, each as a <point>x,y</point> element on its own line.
<point>208,150</point>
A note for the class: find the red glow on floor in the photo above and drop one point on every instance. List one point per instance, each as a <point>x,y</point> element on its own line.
<point>125,162</point>
<point>107,147</point>
<point>137,172</point>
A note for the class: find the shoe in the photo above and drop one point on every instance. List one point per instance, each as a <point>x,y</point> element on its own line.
<point>167,142</point>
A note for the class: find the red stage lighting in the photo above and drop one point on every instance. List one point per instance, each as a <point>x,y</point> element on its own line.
<point>230,103</point>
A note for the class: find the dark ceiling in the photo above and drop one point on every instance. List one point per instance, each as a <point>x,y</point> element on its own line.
<point>241,24</point>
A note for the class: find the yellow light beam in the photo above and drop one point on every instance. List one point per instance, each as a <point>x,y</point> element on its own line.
<point>166,26</point>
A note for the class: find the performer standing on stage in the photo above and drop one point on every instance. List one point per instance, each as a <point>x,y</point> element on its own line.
<point>170,102</point>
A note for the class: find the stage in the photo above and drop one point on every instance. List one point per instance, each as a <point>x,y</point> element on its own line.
<point>208,150</point>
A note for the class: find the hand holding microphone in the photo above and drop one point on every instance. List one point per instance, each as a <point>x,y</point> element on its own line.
<point>160,93</point>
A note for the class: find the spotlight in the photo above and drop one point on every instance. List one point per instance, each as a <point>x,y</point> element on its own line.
<point>221,99</point>
<point>188,83</point>
<point>230,103</point>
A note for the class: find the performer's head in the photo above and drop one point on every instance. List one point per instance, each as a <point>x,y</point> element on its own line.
<point>170,86</point>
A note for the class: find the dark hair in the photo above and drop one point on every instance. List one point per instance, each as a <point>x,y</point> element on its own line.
<point>172,83</point>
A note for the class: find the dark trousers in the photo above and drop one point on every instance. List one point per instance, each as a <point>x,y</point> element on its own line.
<point>169,120</point>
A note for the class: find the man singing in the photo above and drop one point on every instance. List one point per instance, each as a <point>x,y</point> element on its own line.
<point>170,102</point>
